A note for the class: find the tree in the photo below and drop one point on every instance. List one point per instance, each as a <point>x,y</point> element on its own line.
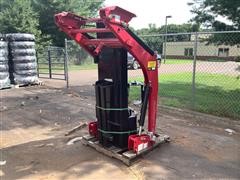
<point>37,17</point>
<point>207,12</point>
<point>76,54</point>
<point>156,42</point>
<point>18,16</point>
<point>47,8</point>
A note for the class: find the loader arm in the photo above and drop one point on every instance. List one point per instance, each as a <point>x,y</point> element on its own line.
<point>115,21</point>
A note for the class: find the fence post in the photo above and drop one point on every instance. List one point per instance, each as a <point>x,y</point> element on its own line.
<point>49,64</point>
<point>194,71</point>
<point>164,48</point>
<point>66,64</point>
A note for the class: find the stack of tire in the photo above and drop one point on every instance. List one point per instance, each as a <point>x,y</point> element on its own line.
<point>23,70</point>
<point>4,74</point>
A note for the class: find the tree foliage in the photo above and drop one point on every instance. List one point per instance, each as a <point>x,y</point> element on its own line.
<point>47,8</point>
<point>208,11</point>
<point>76,54</point>
<point>156,43</point>
<point>37,17</point>
<point>16,16</point>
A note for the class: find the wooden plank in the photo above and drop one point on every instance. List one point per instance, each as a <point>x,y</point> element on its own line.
<point>126,157</point>
<point>88,137</point>
<point>76,128</point>
<point>129,154</point>
<point>115,149</point>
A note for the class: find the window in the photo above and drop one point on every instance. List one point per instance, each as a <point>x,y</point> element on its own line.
<point>188,52</point>
<point>223,52</point>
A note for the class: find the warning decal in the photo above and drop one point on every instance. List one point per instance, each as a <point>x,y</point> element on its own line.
<point>152,65</point>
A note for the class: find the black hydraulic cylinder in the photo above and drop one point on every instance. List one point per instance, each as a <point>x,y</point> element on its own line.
<point>144,105</point>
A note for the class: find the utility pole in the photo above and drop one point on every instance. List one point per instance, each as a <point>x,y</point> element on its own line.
<point>165,38</point>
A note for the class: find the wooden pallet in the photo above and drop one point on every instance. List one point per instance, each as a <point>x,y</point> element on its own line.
<point>16,86</point>
<point>6,87</point>
<point>30,84</point>
<point>127,157</point>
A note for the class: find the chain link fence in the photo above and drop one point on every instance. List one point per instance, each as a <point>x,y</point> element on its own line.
<point>200,71</point>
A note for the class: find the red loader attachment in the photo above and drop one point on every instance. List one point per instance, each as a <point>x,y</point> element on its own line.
<point>114,20</point>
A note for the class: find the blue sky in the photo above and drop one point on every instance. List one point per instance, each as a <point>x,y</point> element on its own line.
<point>154,11</point>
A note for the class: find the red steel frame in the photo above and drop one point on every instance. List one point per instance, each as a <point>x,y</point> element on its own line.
<point>116,21</point>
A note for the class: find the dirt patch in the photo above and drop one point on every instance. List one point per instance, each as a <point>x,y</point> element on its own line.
<point>34,146</point>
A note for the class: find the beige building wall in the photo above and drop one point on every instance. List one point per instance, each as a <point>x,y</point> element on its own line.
<point>178,48</point>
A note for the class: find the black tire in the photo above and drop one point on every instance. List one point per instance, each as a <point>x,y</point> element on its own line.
<point>25,66</point>
<point>22,45</point>
<point>5,80</point>
<point>3,59</point>
<point>25,79</point>
<point>3,45</point>
<point>32,72</point>
<point>24,59</point>
<point>23,52</point>
<point>20,37</point>
<point>2,37</point>
<point>4,75</point>
<point>4,83</point>
<point>3,67</point>
<point>3,52</point>
<point>135,65</point>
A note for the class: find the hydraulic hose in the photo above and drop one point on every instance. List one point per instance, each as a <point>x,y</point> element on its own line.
<point>144,108</point>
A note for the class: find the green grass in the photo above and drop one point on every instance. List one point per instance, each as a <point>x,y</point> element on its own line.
<point>177,61</point>
<point>70,67</point>
<point>215,93</point>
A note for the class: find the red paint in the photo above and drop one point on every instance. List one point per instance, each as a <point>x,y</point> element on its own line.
<point>138,143</point>
<point>115,20</point>
<point>92,128</point>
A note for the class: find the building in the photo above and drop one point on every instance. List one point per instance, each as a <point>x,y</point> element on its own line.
<point>205,51</point>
